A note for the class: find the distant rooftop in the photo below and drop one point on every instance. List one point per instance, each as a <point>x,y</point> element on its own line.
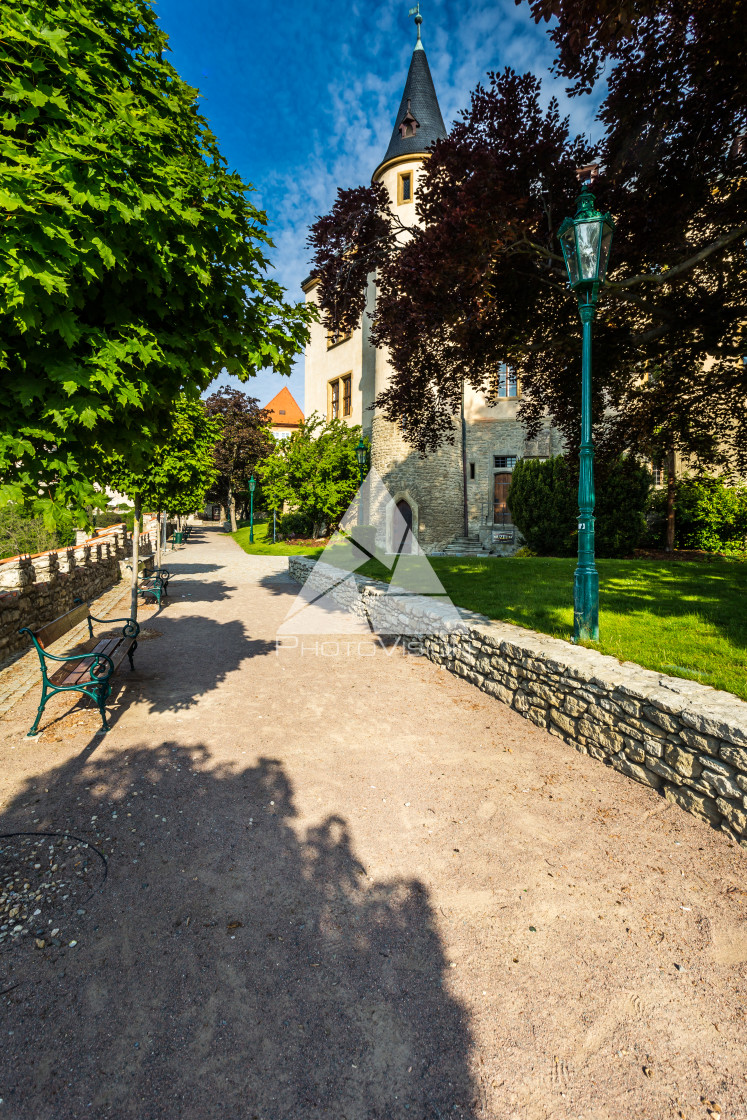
<point>284,412</point>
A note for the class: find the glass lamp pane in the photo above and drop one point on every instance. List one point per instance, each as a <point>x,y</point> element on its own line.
<point>587,241</point>
<point>568,245</point>
<point>604,256</point>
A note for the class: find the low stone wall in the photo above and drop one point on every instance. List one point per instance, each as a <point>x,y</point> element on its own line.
<point>35,590</point>
<point>684,739</point>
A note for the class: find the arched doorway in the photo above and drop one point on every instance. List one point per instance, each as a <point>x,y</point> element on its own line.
<point>405,543</point>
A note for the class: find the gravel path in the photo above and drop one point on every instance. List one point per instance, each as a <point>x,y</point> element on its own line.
<point>343,884</point>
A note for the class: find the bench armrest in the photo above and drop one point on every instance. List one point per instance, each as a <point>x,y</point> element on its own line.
<point>130,630</point>
<point>44,655</point>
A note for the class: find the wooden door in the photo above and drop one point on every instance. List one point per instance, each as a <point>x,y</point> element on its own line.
<point>406,543</point>
<point>501,512</point>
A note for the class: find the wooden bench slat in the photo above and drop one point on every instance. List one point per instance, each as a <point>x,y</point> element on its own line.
<point>81,670</point>
<point>59,626</point>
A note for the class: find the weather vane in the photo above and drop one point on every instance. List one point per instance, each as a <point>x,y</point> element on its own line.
<point>418,18</point>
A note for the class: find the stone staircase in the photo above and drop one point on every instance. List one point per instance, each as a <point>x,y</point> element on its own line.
<point>463,546</point>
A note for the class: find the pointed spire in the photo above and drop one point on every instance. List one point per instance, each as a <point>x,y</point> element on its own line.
<point>418,122</point>
<point>418,20</point>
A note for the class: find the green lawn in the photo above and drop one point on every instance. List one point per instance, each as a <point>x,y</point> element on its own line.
<point>683,619</point>
<point>263,545</point>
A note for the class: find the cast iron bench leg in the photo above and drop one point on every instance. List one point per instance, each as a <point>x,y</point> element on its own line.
<point>40,712</point>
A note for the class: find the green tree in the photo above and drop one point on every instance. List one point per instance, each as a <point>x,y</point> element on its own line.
<point>133,262</point>
<point>244,441</point>
<point>314,472</point>
<point>179,473</point>
<point>20,534</point>
<point>710,513</point>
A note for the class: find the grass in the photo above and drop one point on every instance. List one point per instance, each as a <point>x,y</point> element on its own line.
<point>683,619</point>
<point>263,545</point>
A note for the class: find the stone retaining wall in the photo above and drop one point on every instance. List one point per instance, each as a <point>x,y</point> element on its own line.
<point>35,590</point>
<point>684,739</point>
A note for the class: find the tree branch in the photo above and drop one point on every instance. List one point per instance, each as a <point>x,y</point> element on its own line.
<point>684,266</point>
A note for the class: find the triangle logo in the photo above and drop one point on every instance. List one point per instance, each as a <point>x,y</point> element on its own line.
<point>415,602</point>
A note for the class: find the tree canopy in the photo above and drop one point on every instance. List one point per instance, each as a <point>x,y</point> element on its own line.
<point>133,264</point>
<point>480,281</point>
<point>314,472</point>
<point>244,441</point>
<point>181,468</point>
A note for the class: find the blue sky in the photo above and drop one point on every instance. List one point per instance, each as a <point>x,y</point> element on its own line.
<point>302,96</point>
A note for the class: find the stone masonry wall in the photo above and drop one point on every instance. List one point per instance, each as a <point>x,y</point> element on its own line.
<point>434,485</point>
<point>684,739</point>
<point>36,590</point>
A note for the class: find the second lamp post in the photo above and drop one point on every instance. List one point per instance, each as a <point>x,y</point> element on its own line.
<point>252,487</point>
<point>586,240</point>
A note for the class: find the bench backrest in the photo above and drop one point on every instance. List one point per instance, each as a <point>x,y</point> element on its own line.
<point>59,626</point>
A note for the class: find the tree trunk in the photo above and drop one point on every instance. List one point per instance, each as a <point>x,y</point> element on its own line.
<point>464,469</point>
<point>671,490</point>
<point>135,559</point>
<point>232,510</point>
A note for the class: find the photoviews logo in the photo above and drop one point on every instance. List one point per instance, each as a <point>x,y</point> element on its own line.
<point>335,600</point>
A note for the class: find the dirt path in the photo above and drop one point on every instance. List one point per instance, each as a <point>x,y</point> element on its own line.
<point>351,887</point>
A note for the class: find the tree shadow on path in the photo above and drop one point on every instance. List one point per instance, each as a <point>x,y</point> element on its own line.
<point>234,964</point>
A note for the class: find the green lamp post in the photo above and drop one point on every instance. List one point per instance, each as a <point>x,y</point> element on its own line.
<point>252,488</point>
<point>586,240</point>
<point>361,454</point>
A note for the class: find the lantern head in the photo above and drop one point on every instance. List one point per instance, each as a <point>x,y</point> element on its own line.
<point>586,240</point>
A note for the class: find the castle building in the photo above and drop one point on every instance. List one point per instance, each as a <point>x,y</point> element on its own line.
<point>343,377</point>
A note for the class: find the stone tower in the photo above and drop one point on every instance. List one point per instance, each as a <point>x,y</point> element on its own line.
<point>345,375</point>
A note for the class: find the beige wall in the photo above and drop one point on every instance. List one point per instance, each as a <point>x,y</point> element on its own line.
<point>324,364</point>
<point>389,176</point>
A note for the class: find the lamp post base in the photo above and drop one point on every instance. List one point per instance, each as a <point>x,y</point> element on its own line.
<point>586,605</point>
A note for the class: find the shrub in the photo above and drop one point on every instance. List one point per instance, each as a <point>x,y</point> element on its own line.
<point>622,489</point>
<point>709,514</point>
<point>103,519</point>
<point>543,499</point>
<point>295,525</point>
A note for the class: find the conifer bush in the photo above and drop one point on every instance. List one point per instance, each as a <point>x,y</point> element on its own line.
<point>543,499</point>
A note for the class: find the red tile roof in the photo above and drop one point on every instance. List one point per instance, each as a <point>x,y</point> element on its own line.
<point>284,411</point>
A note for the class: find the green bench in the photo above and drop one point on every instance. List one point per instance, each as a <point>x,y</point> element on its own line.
<point>89,672</point>
<point>153,585</point>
